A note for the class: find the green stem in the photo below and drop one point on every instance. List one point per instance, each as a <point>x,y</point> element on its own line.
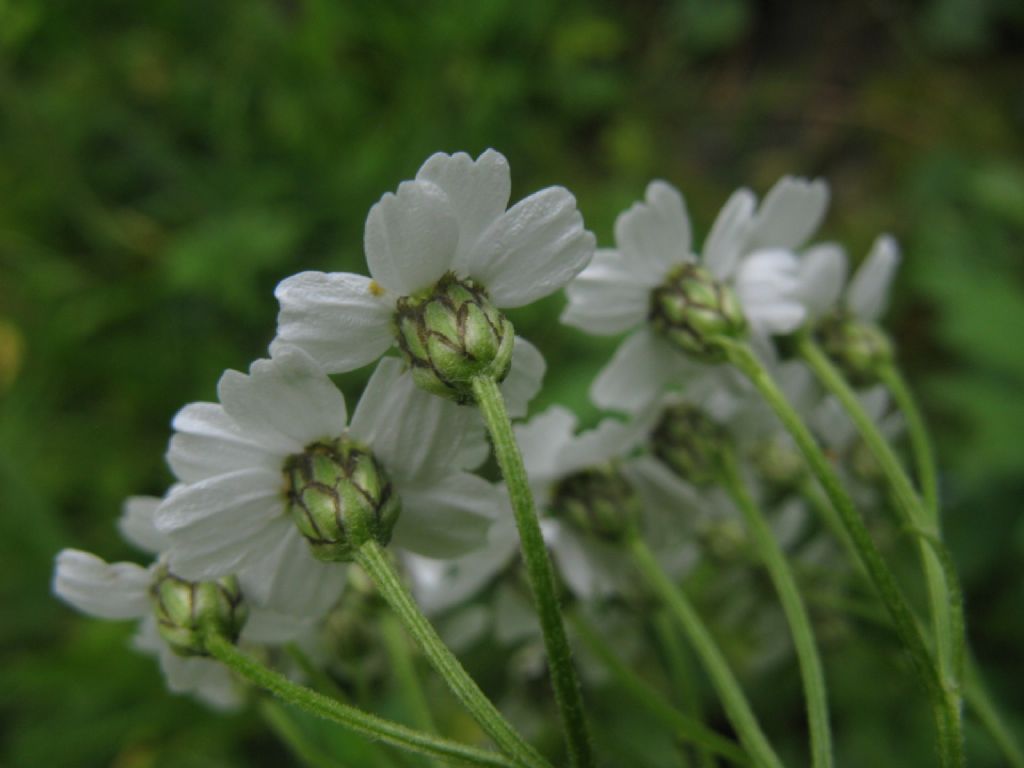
<point>920,442</point>
<point>685,728</point>
<point>291,734</point>
<point>945,709</point>
<point>734,701</point>
<point>405,672</point>
<point>940,577</point>
<point>680,673</point>
<point>374,561</point>
<point>774,560</point>
<point>539,572</point>
<point>355,719</point>
<point>980,701</point>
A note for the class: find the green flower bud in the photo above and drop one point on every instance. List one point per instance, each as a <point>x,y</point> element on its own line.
<point>340,497</point>
<point>780,464</point>
<point>691,309</point>
<point>451,334</point>
<point>599,501</point>
<point>187,610</point>
<point>691,444</point>
<point>724,541</point>
<point>859,348</point>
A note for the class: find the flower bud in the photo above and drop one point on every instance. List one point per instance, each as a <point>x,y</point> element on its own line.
<point>452,334</point>
<point>691,309</point>
<point>340,497</point>
<point>597,500</point>
<point>691,444</point>
<point>859,348</point>
<point>780,464</point>
<point>187,610</point>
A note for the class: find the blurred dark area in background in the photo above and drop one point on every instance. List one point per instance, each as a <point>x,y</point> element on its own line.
<point>164,164</point>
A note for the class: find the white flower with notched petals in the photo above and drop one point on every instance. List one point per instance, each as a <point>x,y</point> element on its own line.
<point>233,512</point>
<point>823,277</point>
<point>750,249</point>
<point>451,219</point>
<point>122,591</point>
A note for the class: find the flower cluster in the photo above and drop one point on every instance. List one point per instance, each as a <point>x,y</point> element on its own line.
<point>278,488</point>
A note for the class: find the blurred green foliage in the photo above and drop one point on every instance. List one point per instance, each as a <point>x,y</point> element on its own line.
<point>164,164</point>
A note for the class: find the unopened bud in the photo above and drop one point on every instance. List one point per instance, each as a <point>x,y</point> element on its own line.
<point>340,497</point>
<point>187,611</point>
<point>692,310</point>
<point>859,348</point>
<point>452,334</point>
<point>780,464</point>
<point>691,444</point>
<point>599,501</point>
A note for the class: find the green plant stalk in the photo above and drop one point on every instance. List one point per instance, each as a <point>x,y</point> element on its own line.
<point>684,727</point>
<point>945,709</point>
<point>920,442</point>
<point>811,674</point>
<point>404,668</point>
<point>372,558</point>
<point>368,725</point>
<point>734,701</point>
<point>286,730</point>
<point>946,609</point>
<point>681,675</point>
<point>539,572</point>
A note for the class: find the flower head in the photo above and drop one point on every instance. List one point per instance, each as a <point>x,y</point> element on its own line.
<point>744,282</point>
<point>444,256</point>
<point>276,478</point>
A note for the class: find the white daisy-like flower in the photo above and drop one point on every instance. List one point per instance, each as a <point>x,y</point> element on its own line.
<point>125,591</point>
<point>278,454</point>
<point>746,278</point>
<point>444,243</point>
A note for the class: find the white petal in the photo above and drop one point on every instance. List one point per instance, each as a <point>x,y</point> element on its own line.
<point>291,581</point>
<point>410,430</point>
<point>654,235</point>
<point>728,234</point>
<point>449,517</point>
<point>583,564</point>
<point>515,618</point>
<point>478,192</point>
<point>767,285</point>
<point>267,627</point>
<point>206,679</point>
<point>287,402</point>
<point>533,249</point>
<point>208,442</point>
<point>105,590</point>
<point>343,321</point>
<point>641,369</point>
<point>789,214</point>
<point>868,294</point>
<point>607,297</point>
<point>609,440</point>
<point>822,275</point>
<point>217,526</point>
<point>411,237</point>
<point>524,378</point>
<point>542,441</point>
<point>137,526</point>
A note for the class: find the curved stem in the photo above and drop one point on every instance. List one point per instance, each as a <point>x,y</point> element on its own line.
<point>920,442</point>
<point>373,560</point>
<point>774,560</point>
<point>943,587</point>
<point>734,701</point>
<point>369,725</point>
<point>685,728</point>
<point>539,572</point>
<point>945,709</point>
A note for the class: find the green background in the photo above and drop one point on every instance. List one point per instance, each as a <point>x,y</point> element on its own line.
<point>164,164</point>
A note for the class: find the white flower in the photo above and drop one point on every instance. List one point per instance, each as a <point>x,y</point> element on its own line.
<point>749,249</point>
<point>233,513</point>
<point>451,219</point>
<point>122,591</point>
<point>823,276</point>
